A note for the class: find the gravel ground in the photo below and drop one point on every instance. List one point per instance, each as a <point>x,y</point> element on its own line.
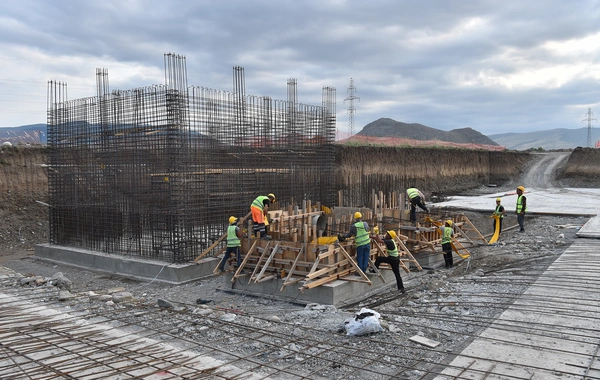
<point>449,306</point>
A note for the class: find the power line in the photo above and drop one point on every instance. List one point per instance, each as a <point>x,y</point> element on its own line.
<point>589,131</point>
<point>351,109</point>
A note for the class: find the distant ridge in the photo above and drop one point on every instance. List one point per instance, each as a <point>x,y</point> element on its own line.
<point>560,138</point>
<point>386,127</point>
<point>25,134</point>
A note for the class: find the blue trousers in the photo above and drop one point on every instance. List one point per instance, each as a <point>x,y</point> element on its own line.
<point>228,252</point>
<point>362,256</point>
<point>521,221</point>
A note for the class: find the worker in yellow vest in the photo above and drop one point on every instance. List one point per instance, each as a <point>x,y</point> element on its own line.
<point>521,208</point>
<point>416,198</point>
<point>393,257</point>
<point>360,230</point>
<point>234,244</point>
<point>499,212</point>
<point>447,234</point>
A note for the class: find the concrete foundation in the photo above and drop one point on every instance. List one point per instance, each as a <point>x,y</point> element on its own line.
<point>333,293</point>
<point>130,267</point>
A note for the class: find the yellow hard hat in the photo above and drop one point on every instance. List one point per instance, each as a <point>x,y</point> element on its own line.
<point>392,234</point>
<point>271,195</point>
<point>449,222</point>
<point>232,220</point>
<point>498,199</point>
<point>521,188</point>
<point>357,215</point>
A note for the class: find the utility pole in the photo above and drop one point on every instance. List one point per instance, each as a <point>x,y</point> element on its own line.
<point>351,109</point>
<point>589,130</point>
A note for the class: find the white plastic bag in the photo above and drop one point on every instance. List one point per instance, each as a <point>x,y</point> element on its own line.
<point>365,322</point>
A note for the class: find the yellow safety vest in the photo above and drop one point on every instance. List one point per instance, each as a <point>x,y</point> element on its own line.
<point>447,235</point>
<point>412,192</point>
<point>362,235</point>
<point>232,239</point>
<point>394,252</point>
<point>520,204</point>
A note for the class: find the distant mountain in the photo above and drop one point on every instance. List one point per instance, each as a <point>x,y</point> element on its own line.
<point>386,127</point>
<point>25,134</point>
<point>560,138</point>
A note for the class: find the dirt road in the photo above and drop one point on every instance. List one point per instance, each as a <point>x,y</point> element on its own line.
<point>541,172</point>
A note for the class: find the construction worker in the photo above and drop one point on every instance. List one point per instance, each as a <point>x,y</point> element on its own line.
<point>234,234</point>
<point>259,209</point>
<point>393,257</point>
<point>499,211</point>
<point>362,240</point>
<point>521,208</point>
<point>416,198</point>
<point>447,234</point>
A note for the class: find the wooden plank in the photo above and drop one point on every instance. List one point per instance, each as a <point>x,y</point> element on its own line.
<point>408,254</point>
<point>354,265</point>
<point>264,253</point>
<point>286,282</point>
<point>266,264</point>
<point>424,341</point>
<point>327,269</point>
<point>246,258</point>
<point>466,220</point>
<point>377,271</point>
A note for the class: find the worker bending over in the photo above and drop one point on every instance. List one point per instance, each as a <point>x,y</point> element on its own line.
<point>259,209</point>
<point>393,257</point>
<point>362,240</point>
<point>416,198</point>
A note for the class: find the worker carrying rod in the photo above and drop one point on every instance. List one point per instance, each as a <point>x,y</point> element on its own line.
<point>259,209</point>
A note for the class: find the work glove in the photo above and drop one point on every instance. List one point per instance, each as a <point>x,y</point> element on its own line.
<point>341,238</point>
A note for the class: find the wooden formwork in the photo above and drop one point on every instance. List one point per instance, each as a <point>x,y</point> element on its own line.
<point>305,249</point>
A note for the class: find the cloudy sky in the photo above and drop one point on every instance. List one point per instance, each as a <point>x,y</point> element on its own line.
<point>495,66</point>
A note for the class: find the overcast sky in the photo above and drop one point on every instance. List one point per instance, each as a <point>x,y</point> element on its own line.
<point>494,66</point>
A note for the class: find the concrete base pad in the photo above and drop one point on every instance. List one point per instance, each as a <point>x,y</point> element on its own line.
<point>130,267</point>
<point>333,293</point>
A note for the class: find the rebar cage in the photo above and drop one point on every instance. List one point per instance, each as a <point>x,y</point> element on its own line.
<point>155,172</point>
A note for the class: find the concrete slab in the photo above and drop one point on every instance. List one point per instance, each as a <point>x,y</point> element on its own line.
<point>131,267</point>
<point>549,333</point>
<point>554,201</point>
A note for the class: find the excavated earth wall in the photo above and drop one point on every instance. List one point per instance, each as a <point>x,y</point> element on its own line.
<point>582,168</point>
<point>24,178</point>
<point>441,170</point>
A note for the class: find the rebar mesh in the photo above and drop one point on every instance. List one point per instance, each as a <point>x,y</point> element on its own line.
<point>155,172</point>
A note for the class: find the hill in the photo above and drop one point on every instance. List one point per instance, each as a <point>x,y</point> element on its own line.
<point>386,127</point>
<point>560,138</point>
<point>25,134</point>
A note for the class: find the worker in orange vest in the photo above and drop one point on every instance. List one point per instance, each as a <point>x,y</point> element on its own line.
<point>259,209</point>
